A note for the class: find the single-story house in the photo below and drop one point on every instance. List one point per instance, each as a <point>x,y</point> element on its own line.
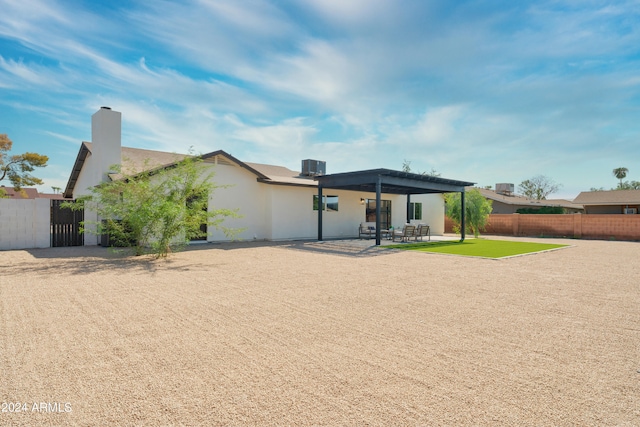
<point>505,202</point>
<point>276,203</point>
<point>609,202</point>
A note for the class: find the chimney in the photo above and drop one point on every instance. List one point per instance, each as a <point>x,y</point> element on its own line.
<point>106,136</point>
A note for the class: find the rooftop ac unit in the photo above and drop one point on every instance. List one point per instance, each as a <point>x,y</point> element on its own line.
<point>504,188</point>
<point>313,167</point>
<point>631,210</point>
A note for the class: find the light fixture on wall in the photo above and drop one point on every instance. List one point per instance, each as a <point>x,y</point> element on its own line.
<point>362,201</point>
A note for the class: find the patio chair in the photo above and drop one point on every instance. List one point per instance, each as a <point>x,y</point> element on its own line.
<point>423,230</point>
<point>408,231</point>
<point>367,229</point>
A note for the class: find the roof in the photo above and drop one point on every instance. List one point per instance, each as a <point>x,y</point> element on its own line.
<point>281,175</point>
<point>612,197</point>
<point>137,160</point>
<point>525,201</point>
<point>29,193</point>
<point>391,181</point>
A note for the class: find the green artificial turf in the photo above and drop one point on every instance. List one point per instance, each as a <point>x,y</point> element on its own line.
<point>479,247</point>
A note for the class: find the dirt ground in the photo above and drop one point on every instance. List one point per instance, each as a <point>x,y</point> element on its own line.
<point>321,333</point>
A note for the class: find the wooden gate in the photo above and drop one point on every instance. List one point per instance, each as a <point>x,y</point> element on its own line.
<point>65,225</point>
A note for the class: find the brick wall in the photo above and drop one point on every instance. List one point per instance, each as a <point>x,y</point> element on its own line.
<point>25,223</point>
<point>618,227</point>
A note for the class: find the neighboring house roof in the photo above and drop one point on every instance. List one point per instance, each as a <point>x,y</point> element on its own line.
<point>137,160</point>
<point>29,193</point>
<point>50,196</point>
<point>524,201</point>
<point>612,197</point>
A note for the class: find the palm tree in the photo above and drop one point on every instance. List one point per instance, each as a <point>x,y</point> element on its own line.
<point>620,173</point>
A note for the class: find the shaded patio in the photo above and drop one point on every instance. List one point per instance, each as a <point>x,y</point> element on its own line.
<point>389,181</point>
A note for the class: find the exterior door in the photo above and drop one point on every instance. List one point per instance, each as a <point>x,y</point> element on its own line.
<point>385,213</point>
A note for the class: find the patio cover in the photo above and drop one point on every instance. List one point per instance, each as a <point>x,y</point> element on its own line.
<point>392,182</point>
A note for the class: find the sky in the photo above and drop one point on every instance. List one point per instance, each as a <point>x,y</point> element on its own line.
<point>482,91</point>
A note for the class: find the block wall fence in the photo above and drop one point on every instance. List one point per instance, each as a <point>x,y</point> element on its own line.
<point>25,224</point>
<point>604,227</point>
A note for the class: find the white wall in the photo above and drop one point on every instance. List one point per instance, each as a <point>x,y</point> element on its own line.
<point>86,180</point>
<point>25,224</point>
<point>295,218</point>
<point>432,211</point>
<point>243,193</point>
<point>283,212</point>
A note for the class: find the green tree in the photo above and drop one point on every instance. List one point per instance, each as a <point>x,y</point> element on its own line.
<point>16,167</point>
<point>477,210</point>
<point>629,185</point>
<point>538,187</point>
<point>620,173</point>
<point>157,211</point>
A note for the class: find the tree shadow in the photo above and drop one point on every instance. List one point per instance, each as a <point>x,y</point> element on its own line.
<point>82,260</point>
<point>89,259</point>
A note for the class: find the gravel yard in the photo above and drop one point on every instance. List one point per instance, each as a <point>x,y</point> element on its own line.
<point>321,333</point>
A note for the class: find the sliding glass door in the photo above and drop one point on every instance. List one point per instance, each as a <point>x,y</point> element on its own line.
<point>385,213</point>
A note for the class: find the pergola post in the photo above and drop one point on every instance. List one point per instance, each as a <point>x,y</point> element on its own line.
<point>319,212</point>
<point>378,202</point>
<point>463,225</point>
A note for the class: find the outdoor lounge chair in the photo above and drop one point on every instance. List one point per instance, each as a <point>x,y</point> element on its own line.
<point>367,229</point>
<point>423,230</point>
<point>408,231</point>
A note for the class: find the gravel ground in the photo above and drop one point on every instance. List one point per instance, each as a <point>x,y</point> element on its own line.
<point>321,333</point>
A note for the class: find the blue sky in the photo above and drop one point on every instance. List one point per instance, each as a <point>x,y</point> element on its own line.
<point>483,91</point>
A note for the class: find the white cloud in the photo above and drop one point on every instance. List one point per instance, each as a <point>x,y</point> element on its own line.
<point>477,91</point>
<point>353,12</point>
<point>21,71</point>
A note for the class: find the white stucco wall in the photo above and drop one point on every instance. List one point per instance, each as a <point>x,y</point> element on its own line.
<point>25,224</point>
<point>288,211</point>
<point>86,180</point>
<point>243,193</point>
<point>432,211</point>
<point>284,212</point>
<point>295,218</point>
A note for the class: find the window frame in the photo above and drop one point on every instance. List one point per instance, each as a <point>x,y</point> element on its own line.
<point>414,209</point>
